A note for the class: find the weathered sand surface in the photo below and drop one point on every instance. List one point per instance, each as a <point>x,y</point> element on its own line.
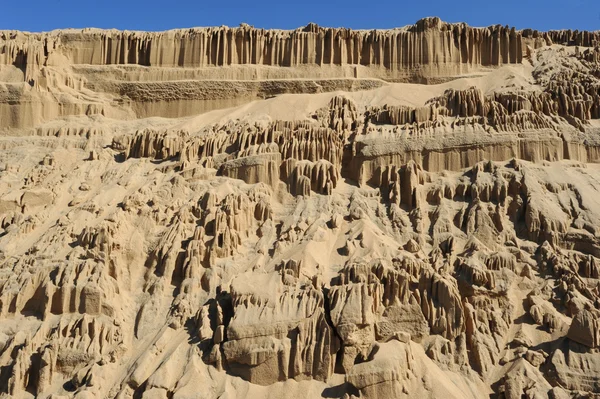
<point>241,213</point>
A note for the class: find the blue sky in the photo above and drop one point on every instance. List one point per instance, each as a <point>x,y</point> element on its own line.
<point>44,15</point>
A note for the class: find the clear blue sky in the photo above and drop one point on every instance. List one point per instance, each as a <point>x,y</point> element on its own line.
<point>44,15</point>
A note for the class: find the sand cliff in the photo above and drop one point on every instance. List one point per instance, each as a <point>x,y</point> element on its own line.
<point>239,212</point>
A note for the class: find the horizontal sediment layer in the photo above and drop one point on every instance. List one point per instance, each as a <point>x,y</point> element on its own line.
<point>223,90</point>
<point>456,152</point>
<point>428,42</point>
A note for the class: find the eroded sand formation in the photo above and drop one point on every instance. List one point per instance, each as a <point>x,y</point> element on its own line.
<point>235,212</point>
